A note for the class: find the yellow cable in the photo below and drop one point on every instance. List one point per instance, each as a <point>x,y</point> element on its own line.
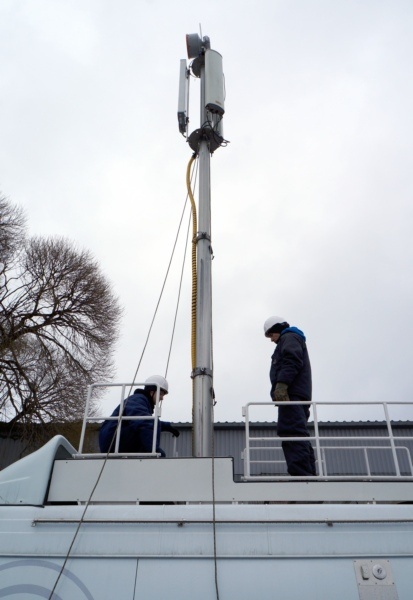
<point>194,277</point>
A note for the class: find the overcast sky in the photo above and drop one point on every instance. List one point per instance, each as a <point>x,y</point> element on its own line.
<point>312,198</point>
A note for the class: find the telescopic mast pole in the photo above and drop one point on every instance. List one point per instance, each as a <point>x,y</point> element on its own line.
<point>207,66</point>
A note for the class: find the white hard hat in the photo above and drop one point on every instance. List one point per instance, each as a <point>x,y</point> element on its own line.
<point>271,321</point>
<point>159,381</point>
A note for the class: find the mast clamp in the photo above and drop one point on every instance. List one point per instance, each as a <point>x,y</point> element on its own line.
<point>213,138</point>
<point>202,235</point>
<point>201,371</point>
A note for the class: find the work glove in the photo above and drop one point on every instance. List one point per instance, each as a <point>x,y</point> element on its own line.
<point>175,432</point>
<point>280,393</point>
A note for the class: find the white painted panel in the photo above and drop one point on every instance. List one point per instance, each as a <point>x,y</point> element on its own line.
<point>83,579</point>
<point>190,480</point>
<point>180,579</point>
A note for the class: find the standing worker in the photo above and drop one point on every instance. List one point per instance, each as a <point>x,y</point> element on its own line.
<point>137,435</point>
<point>290,377</point>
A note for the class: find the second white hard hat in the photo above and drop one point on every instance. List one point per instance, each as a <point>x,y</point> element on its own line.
<point>159,381</point>
<point>271,321</point>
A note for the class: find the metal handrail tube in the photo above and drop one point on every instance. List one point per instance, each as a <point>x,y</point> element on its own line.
<point>366,449</point>
<point>247,443</point>
<point>117,455</point>
<point>389,428</point>
<point>118,428</point>
<point>317,441</point>
<point>326,437</point>
<point>88,419</point>
<point>323,403</point>
<point>82,434</point>
<point>407,478</point>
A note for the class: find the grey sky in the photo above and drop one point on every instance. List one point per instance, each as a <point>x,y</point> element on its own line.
<point>312,199</point>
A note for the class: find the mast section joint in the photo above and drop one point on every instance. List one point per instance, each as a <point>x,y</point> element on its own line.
<point>201,371</point>
<point>202,235</point>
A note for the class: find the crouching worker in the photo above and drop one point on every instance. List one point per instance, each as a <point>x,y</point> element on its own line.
<point>137,435</point>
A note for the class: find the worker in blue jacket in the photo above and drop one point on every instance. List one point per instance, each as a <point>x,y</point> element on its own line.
<point>137,435</point>
<point>290,376</point>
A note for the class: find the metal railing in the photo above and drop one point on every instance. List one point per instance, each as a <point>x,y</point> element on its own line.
<point>391,443</point>
<point>120,418</point>
<point>365,451</point>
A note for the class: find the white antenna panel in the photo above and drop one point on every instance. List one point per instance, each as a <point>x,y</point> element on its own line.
<point>214,82</point>
<point>183,97</point>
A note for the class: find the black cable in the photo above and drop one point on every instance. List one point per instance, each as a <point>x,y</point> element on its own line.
<point>120,416</point>
<point>83,516</point>
<point>160,295</point>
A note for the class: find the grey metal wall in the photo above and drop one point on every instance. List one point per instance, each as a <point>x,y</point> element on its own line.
<point>229,440</point>
<point>11,450</point>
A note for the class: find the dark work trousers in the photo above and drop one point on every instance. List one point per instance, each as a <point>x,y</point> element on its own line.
<point>292,422</point>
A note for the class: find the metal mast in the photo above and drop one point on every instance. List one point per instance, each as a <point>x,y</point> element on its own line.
<point>207,66</point>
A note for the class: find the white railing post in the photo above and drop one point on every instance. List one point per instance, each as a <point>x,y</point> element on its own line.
<point>391,438</point>
<point>323,460</point>
<point>156,419</point>
<point>317,439</point>
<point>366,458</point>
<point>85,418</point>
<point>247,442</point>
<point>119,427</point>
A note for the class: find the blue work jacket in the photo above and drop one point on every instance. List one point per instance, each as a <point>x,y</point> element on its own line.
<point>136,435</point>
<point>290,364</point>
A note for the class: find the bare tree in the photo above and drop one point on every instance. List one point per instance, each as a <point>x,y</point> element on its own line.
<point>12,230</point>
<point>58,326</point>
